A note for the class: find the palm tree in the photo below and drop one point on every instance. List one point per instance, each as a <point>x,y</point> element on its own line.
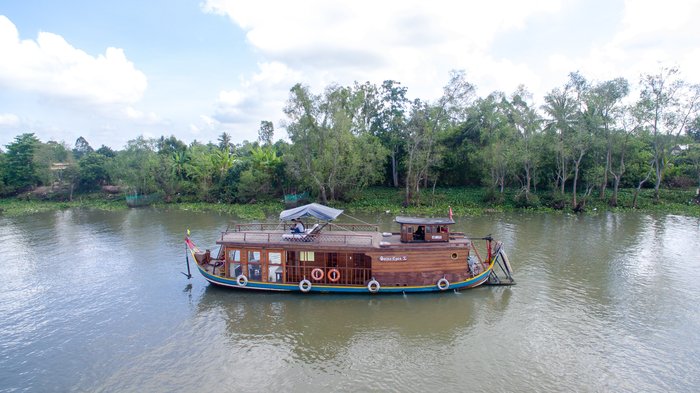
<point>179,160</point>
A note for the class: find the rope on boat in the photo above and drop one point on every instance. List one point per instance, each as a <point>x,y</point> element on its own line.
<point>366,223</point>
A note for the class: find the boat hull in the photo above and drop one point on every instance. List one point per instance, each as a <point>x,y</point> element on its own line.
<point>349,289</point>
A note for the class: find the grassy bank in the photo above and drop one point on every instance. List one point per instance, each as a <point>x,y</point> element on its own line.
<point>15,207</point>
<point>464,202</point>
<point>477,201</point>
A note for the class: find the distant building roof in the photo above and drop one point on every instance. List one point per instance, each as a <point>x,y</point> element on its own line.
<point>57,166</point>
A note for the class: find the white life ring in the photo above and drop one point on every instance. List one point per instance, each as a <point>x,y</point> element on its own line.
<point>242,280</point>
<point>317,274</point>
<point>305,285</point>
<point>443,284</point>
<point>373,286</point>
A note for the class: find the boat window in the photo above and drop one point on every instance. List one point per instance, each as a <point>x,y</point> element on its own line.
<point>274,257</point>
<point>274,269</point>
<point>254,272</point>
<point>234,267</point>
<point>234,255</point>
<point>306,256</point>
<point>253,256</point>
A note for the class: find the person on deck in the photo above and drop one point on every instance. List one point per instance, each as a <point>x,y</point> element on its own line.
<point>298,227</point>
<point>419,234</point>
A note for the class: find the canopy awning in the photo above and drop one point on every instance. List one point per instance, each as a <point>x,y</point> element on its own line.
<point>314,210</point>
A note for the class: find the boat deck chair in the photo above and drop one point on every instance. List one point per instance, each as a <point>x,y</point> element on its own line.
<point>308,236</point>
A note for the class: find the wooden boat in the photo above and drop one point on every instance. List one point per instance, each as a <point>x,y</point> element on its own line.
<point>424,256</point>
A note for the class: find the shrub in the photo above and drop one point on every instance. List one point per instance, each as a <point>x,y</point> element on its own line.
<point>522,201</point>
<point>493,197</point>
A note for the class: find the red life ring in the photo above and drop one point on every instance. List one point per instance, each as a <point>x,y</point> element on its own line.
<point>317,274</point>
<point>333,275</point>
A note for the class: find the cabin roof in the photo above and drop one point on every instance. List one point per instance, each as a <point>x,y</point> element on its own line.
<point>424,221</point>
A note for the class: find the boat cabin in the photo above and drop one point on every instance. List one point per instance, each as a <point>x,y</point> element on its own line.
<point>415,229</point>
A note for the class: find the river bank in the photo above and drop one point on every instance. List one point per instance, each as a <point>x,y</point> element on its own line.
<point>463,201</point>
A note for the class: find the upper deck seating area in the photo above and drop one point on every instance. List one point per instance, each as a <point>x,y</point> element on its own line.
<point>310,234</point>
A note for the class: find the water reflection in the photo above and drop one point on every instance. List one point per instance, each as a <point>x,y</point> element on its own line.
<point>318,328</point>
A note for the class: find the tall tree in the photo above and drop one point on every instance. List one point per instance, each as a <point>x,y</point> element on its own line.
<point>327,153</point>
<point>20,169</point>
<point>225,141</point>
<point>46,155</point>
<point>136,166</point>
<point>168,146</point>
<point>426,128</point>
<point>694,157</point>
<point>390,123</point>
<point>693,129</point>
<point>668,105</point>
<point>604,101</point>
<point>2,173</point>
<point>82,147</point>
<point>621,145</point>
<point>526,124</point>
<point>106,151</point>
<point>584,127</point>
<point>562,110</point>
<point>93,171</point>
<point>266,132</point>
<point>490,117</point>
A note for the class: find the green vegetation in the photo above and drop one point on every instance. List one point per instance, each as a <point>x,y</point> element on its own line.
<point>590,147</point>
<point>463,201</point>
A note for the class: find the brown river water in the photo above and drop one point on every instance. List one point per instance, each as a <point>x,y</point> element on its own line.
<point>93,301</point>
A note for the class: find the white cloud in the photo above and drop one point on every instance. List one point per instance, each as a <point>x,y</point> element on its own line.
<point>260,97</point>
<point>650,35</point>
<point>139,116</point>
<point>52,67</point>
<point>415,42</point>
<point>9,120</point>
<point>317,42</point>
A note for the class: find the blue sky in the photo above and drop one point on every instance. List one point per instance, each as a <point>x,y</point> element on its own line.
<point>110,71</point>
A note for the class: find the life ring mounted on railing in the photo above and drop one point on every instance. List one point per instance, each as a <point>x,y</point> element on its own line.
<point>333,275</point>
<point>305,285</point>
<point>373,286</point>
<point>317,274</point>
<point>241,280</point>
<point>443,284</point>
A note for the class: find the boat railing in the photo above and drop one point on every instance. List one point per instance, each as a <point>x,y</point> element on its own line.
<point>353,227</point>
<point>283,237</point>
<point>256,227</point>
<point>345,275</point>
<point>276,226</point>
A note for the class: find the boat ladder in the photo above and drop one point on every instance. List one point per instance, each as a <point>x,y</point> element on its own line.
<point>502,272</point>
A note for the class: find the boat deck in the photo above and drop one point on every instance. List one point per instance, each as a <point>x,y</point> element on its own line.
<point>334,238</point>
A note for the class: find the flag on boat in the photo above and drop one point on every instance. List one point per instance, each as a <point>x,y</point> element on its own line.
<point>450,212</point>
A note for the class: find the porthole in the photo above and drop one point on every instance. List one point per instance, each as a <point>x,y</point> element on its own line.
<point>454,255</point>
